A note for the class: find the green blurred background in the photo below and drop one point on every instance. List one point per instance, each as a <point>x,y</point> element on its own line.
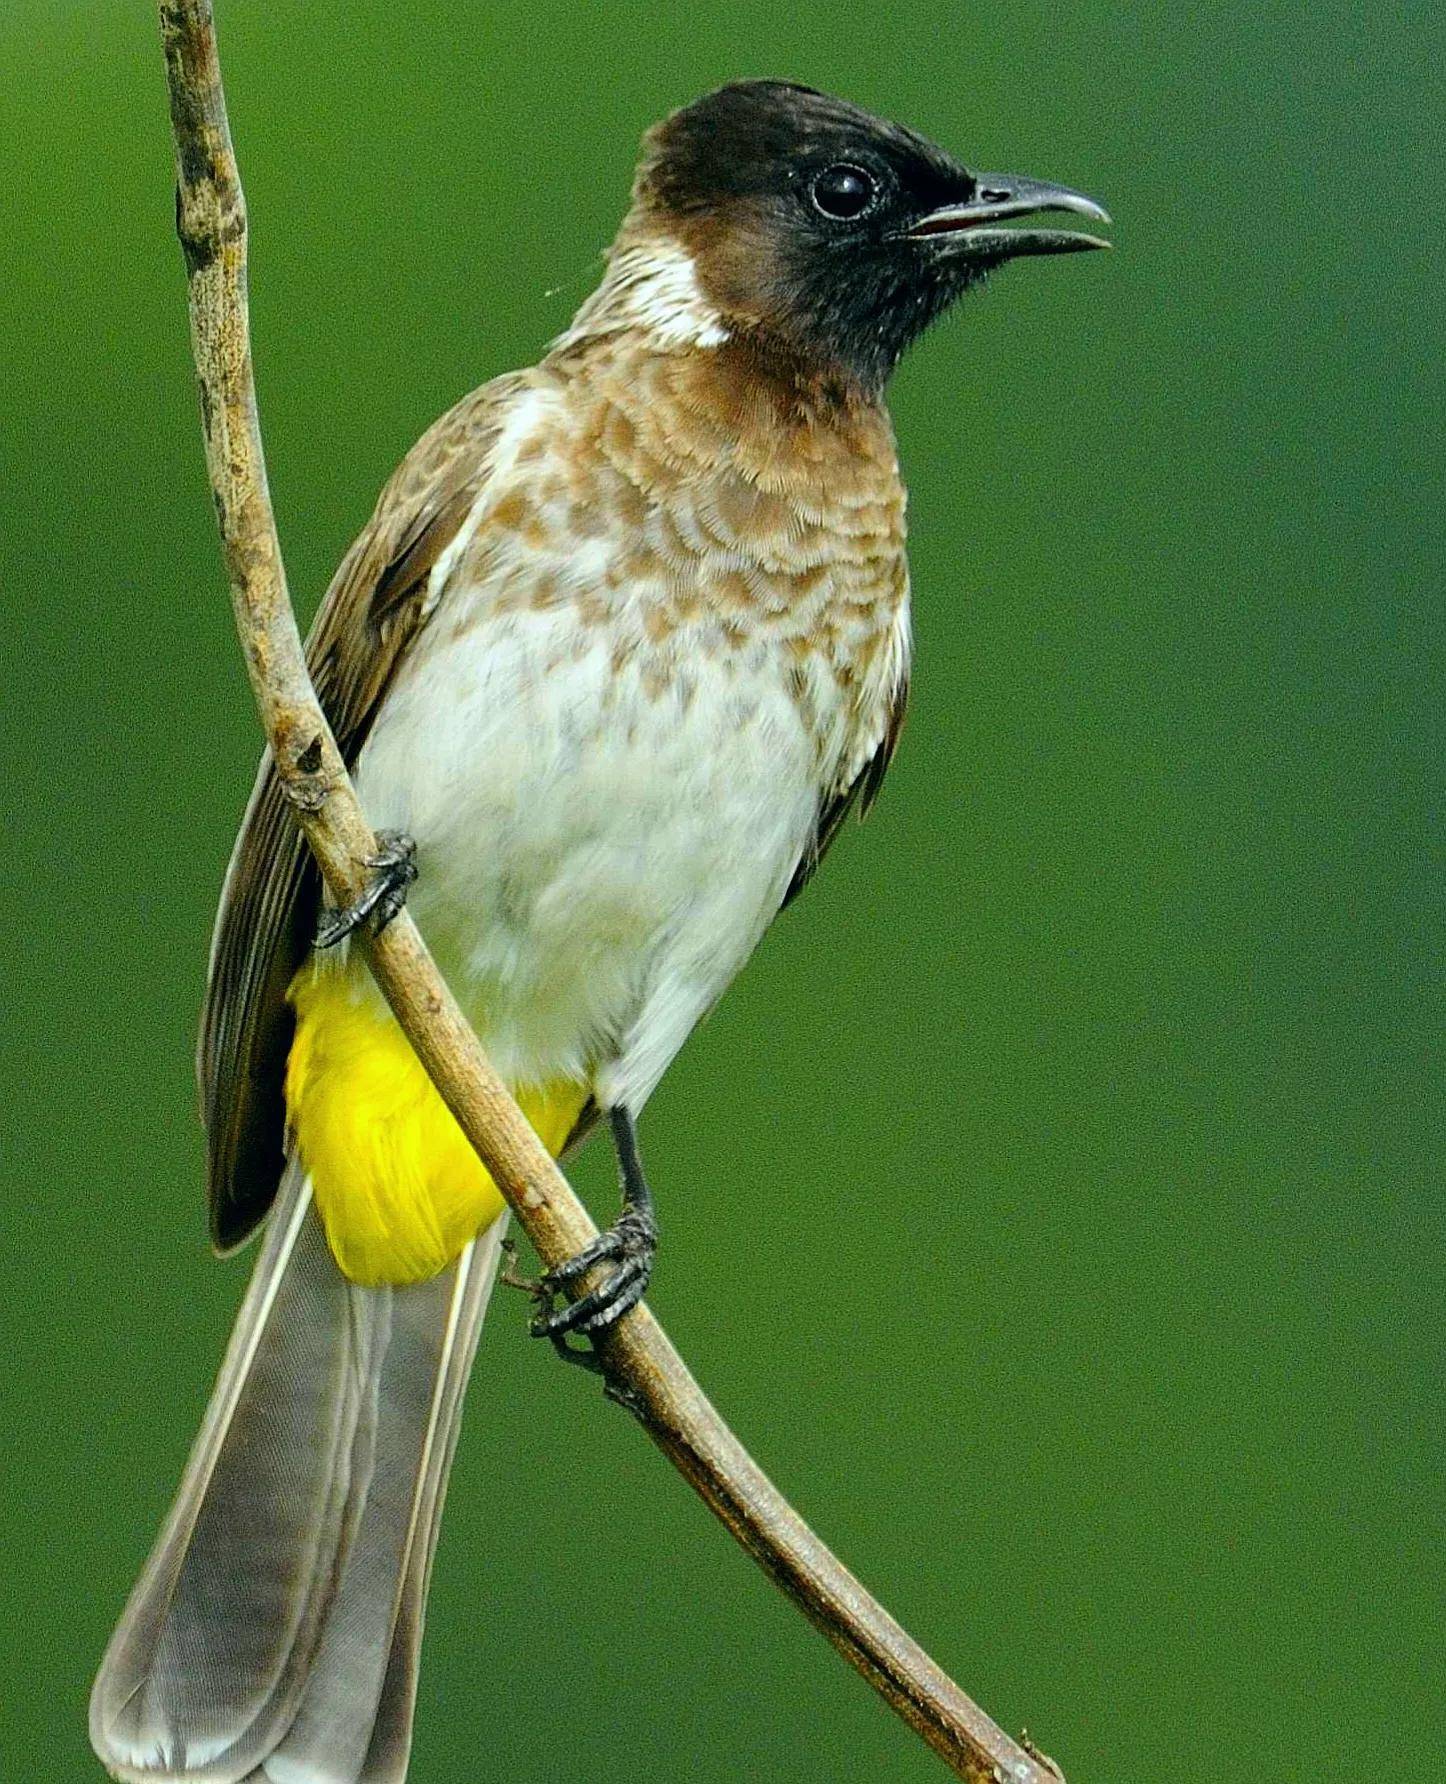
<point>1055,1204</point>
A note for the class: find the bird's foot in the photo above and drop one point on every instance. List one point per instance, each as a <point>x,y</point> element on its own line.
<point>392,869</point>
<point>629,1247</point>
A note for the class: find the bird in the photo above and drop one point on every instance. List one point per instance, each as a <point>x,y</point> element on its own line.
<point>624,642</point>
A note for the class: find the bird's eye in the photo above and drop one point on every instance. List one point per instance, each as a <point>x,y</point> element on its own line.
<point>844,192</point>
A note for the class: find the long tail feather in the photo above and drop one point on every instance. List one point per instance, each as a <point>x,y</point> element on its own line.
<point>273,1635</point>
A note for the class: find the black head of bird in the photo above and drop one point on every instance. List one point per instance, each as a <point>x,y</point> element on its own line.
<point>828,233</point>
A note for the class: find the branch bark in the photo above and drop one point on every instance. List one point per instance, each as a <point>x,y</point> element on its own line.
<point>642,1369</point>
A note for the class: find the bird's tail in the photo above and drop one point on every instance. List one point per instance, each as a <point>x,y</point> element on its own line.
<point>273,1636</point>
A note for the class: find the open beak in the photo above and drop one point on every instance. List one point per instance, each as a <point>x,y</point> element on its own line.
<point>972,228</point>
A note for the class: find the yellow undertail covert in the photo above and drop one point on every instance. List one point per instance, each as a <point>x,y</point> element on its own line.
<point>399,1190</point>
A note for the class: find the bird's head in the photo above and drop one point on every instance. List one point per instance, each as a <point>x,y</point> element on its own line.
<point>772,212</point>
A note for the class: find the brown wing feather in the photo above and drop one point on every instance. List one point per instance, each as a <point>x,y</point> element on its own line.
<point>377,602</point>
<point>861,791</point>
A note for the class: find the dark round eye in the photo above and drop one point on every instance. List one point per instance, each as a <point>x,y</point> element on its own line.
<point>844,192</point>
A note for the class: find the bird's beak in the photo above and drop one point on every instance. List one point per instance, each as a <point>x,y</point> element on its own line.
<point>972,228</point>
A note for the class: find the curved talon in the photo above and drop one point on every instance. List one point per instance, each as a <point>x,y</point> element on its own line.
<point>600,1307</point>
<point>632,1236</point>
<point>629,1245</point>
<point>393,869</point>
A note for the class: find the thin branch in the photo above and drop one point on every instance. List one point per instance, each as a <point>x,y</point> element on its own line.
<point>643,1370</point>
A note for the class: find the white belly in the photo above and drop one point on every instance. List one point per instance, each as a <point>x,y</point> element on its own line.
<point>599,847</point>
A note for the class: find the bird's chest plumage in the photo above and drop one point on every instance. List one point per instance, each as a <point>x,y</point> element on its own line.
<point>652,657</point>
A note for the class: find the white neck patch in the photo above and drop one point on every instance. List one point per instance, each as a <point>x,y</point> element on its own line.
<point>652,286</point>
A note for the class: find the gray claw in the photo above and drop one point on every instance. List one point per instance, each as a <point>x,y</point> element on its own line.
<point>622,1291</point>
<point>629,1246</point>
<point>393,868</point>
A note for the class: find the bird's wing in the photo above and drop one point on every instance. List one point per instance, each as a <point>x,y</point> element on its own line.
<point>379,599</point>
<point>860,786</point>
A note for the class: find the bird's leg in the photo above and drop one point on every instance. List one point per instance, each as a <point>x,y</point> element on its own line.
<point>392,870</point>
<point>628,1245</point>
